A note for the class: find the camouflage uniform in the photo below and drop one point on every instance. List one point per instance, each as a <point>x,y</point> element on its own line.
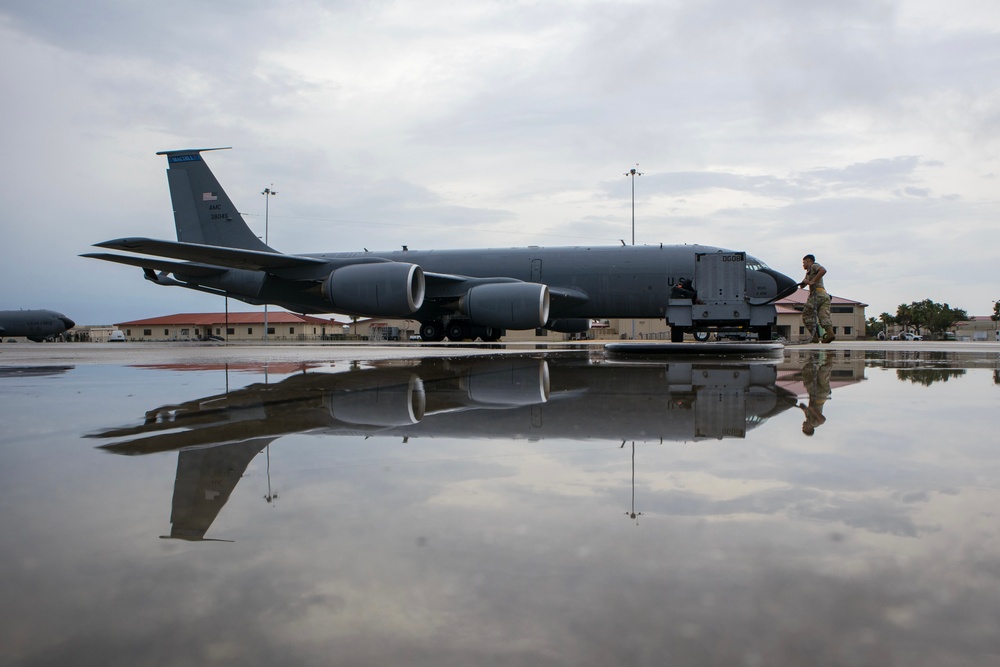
<point>818,304</point>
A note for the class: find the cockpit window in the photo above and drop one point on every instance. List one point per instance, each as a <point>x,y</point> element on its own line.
<point>755,264</point>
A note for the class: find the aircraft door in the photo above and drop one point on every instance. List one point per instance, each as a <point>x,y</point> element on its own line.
<point>536,270</point>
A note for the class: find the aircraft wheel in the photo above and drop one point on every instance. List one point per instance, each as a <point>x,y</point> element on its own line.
<point>458,330</point>
<point>432,331</point>
<point>701,336</point>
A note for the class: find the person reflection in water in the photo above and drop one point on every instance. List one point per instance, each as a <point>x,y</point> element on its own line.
<point>816,377</point>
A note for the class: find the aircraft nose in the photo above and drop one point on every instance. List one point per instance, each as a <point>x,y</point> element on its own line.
<point>785,285</point>
<point>68,322</point>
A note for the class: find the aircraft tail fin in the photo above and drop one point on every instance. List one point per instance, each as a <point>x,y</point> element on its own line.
<point>203,212</point>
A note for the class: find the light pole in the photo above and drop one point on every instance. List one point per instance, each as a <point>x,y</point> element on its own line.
<point>268,193</point>
<point>632,173</point>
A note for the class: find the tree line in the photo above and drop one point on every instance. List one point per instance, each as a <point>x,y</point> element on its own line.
<point>922,317</point>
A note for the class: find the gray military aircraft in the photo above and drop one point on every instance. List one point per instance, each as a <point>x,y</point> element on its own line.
<point>36,325</point>
<point>458,294</point>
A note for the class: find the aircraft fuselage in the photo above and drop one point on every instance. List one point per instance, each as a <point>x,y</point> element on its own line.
<point>616,281</point>
<point>36,324</point>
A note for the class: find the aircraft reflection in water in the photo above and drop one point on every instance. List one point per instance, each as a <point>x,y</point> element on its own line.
<point>513,398</point>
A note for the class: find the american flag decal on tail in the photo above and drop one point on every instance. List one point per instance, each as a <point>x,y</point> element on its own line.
<point>209,196</point>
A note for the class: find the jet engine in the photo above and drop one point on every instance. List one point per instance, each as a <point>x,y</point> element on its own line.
<point>509,384</point>
<point>383,289</point>
<point>507,305</point>
<point>390,405</point>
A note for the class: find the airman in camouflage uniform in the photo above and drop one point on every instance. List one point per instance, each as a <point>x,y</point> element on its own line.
<point>818,303</point>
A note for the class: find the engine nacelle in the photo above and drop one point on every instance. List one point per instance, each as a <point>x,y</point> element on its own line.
<point>507,305</point>
<point>569,325</point>
<point>509,384</point>
<point>385,289</point>
<point>391,405</point>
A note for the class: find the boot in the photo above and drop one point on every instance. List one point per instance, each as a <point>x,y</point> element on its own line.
<point>829,337</point>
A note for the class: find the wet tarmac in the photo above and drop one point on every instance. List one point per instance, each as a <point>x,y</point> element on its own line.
<point>510,505</point>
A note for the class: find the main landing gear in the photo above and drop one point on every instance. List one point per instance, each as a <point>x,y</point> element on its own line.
<point>432,331</point>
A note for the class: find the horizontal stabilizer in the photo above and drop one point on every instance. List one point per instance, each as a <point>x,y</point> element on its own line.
<point>233,258</point>
<point>187,269</point>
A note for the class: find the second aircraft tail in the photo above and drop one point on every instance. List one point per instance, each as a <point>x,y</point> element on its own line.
<point>203,212</point>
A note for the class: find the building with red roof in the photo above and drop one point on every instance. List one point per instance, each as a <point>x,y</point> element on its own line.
<point>242,326</point>
<point>848,324</point>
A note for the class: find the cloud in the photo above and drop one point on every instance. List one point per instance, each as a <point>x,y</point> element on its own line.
<point>769,126</point>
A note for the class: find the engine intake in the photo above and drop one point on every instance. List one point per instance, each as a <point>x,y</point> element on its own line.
<point>507,305</point>
<point>384,289</point>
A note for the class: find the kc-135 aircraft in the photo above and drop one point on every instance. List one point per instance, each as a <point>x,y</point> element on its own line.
<point>35,324</point>
<point>458,294</point>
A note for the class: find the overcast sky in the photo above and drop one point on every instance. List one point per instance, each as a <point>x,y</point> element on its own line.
<point>864,132</point>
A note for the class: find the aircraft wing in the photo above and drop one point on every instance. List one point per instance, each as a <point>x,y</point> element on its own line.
<point>233,258</point>
<point>201,260</point>
<point>187,269</point>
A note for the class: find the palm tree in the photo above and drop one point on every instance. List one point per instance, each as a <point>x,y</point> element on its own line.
<point>887,320</point>
<point>904,316</point>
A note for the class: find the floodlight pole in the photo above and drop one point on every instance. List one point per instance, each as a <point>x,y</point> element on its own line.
<point>632,173</point>
<point>268,192</point>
